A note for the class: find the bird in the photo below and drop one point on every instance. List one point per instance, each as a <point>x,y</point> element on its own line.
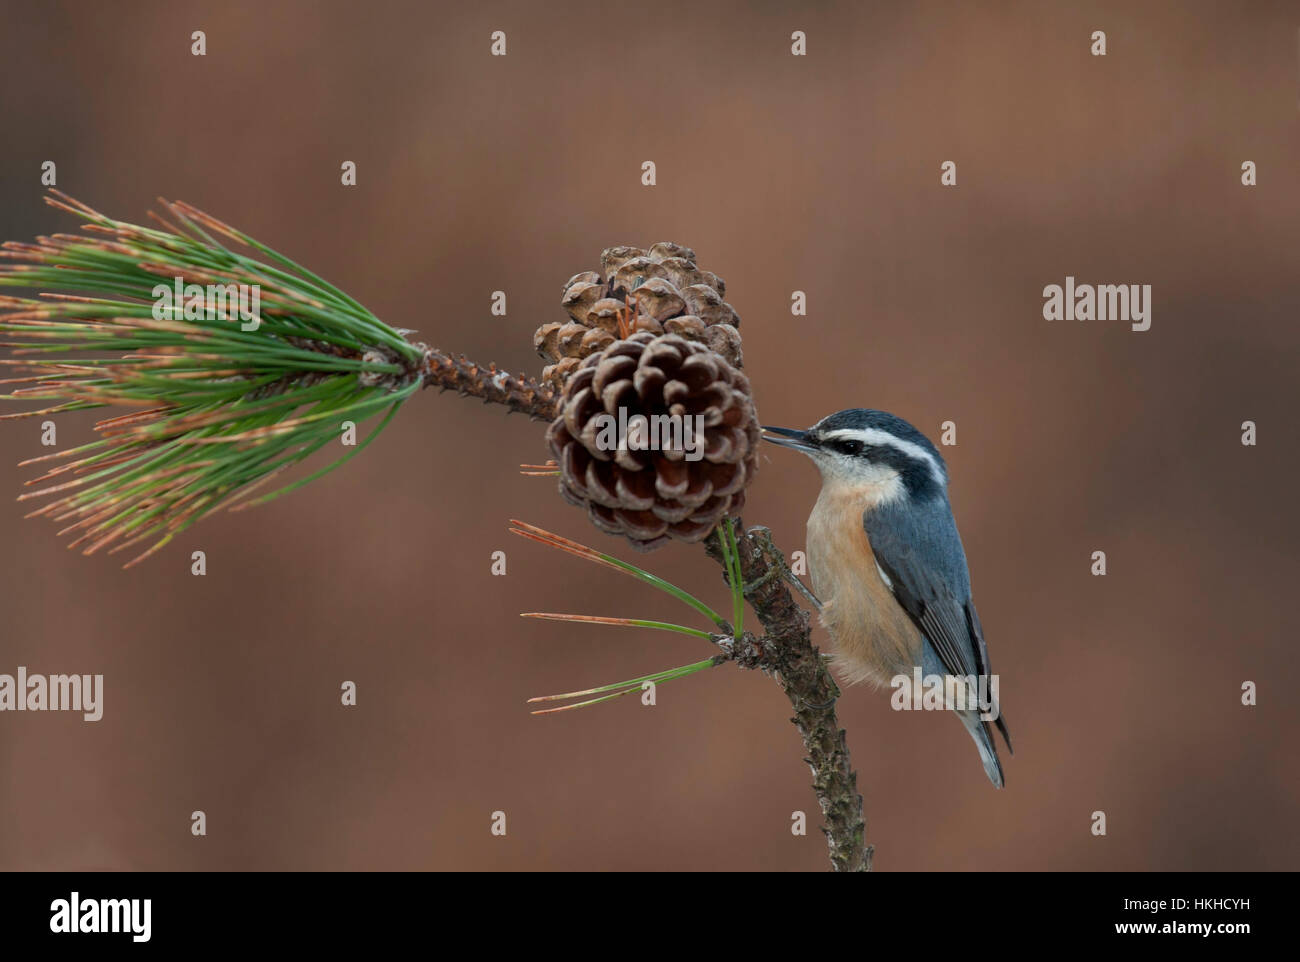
<point>887,565</point>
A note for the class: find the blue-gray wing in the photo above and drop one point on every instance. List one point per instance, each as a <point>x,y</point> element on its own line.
<point>920,552</point>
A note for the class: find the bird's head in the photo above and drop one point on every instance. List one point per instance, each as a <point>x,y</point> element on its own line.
<point>860,447</point>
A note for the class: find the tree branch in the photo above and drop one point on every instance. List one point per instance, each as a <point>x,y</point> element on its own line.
<point>802,673</point>
<point>517,392</point>
<point>785,650</point>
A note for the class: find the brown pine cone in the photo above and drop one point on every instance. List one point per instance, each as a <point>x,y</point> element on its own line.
<point>684,484</point>
<point>659,290</point>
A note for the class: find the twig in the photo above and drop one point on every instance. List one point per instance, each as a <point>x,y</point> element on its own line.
<point>785,651</point>
<point>519,393</point>
<point>216,410</point>
<point>802,674</point>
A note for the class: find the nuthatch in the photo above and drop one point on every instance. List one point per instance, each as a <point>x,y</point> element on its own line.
<point>886,560</point>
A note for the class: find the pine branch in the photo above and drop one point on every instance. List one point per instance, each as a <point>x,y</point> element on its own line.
<point>252,367</point>
<point>214,405</point>
<point>453,372</point>
<point>754,568</point>
<point>802,673</point>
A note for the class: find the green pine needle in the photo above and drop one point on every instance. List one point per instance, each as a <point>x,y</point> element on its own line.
<point>542,536</point>
<point>214,411</point>
<point>622,688</point>
<point>619,622</point>
<point>731,559</point>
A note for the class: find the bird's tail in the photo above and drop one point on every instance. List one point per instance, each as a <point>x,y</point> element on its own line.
<point>979,731</point>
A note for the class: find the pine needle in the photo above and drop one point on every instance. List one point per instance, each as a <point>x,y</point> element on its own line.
<point>542,536</point>
<point>622,688</point>
<point>621,622</point>
<point>214,403</point>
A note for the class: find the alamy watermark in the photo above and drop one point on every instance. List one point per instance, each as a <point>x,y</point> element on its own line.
<point>76,915</point>
<point>213,302</point>
<point>657,432</point>
<point>24,692</point>
<point>915,692</point>
<point>1101,302</point>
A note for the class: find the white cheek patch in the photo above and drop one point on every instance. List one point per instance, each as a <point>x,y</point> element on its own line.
<point>873,484</point>
<point>888,488</point>
<point>874,436</point>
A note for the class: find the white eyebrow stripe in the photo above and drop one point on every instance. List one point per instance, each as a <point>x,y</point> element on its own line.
<point>876,436</point>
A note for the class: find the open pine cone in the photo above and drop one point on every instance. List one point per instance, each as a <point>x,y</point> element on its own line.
<point>652,496</point>
<point>659,290</point>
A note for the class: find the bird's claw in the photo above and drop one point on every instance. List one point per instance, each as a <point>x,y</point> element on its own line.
<point>763,535</point>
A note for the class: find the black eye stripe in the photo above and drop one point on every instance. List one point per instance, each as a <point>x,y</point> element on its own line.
<point>848,446</point>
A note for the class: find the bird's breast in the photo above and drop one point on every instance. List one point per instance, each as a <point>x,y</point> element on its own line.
<point>873,636</point>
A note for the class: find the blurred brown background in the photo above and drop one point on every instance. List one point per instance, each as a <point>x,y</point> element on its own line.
<point>818,174</point>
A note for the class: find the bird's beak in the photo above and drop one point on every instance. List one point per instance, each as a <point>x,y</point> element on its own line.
<point>789,438</point>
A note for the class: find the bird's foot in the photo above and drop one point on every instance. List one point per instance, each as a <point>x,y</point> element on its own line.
<point>763,536</point>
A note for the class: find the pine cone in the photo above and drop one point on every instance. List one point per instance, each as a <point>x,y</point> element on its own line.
<point>652,496</point>
<point>659,290</point>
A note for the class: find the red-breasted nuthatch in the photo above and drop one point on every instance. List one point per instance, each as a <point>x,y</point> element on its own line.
<point>886,561</point>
